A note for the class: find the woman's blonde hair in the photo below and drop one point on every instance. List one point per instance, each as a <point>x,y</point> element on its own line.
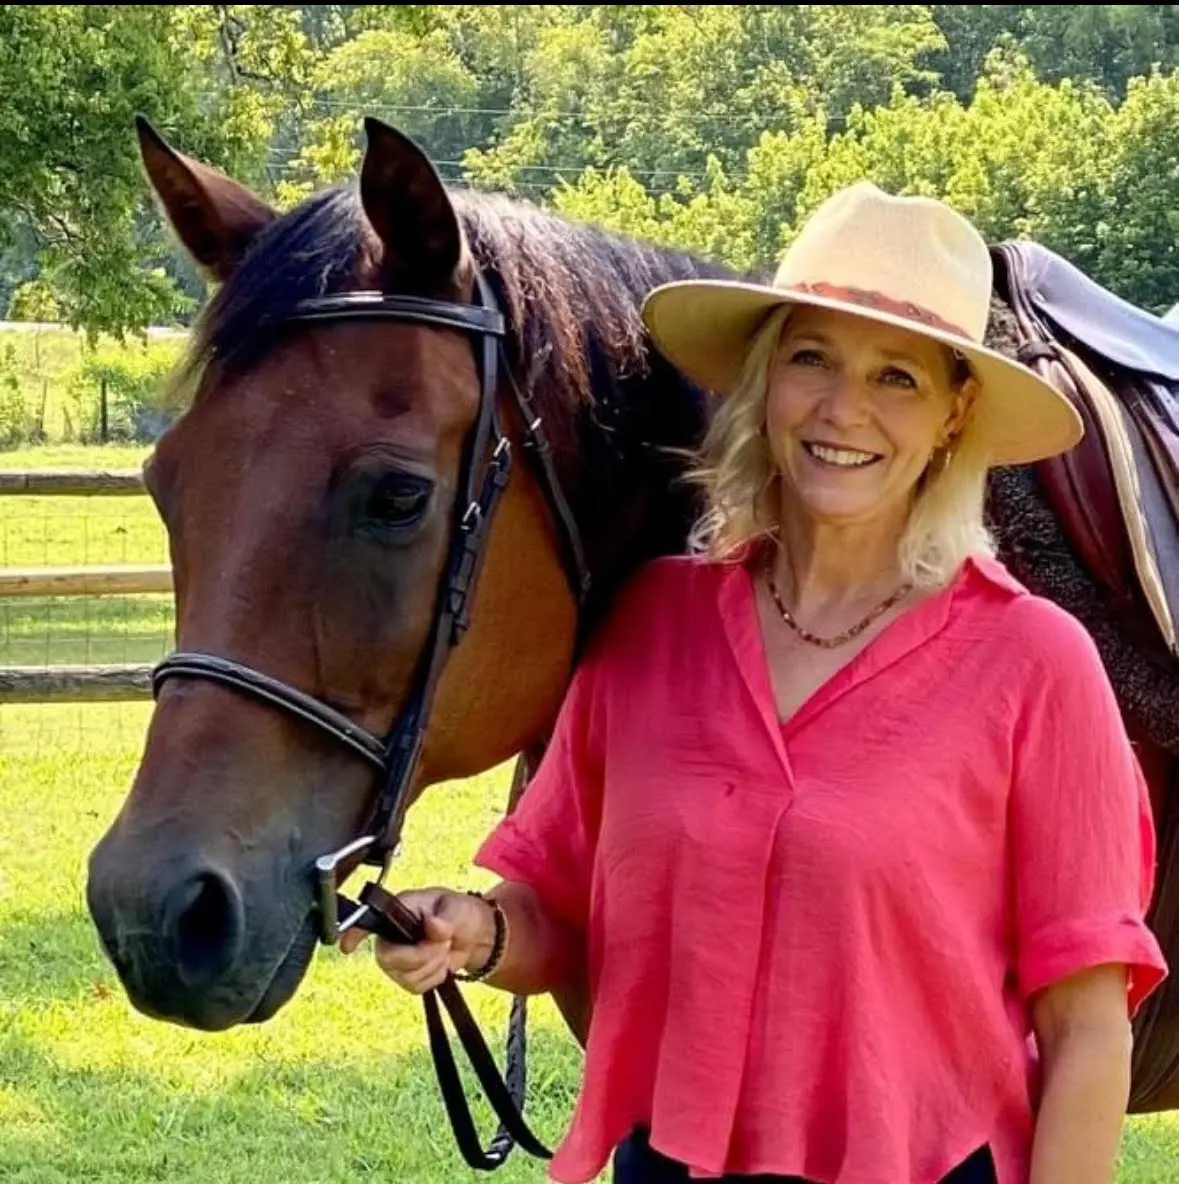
<point>740,481</point>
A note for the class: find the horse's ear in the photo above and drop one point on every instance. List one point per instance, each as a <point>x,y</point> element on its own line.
<point>407,205</point>
<point>215,217</point>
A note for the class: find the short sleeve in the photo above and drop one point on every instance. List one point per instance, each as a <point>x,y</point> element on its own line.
<point>548,841</point>
<point>1083,839</point>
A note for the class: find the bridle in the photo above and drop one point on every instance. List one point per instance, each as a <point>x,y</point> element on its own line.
<point>485,470</point>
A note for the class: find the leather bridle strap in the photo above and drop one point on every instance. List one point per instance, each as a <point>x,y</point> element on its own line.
<point>262,686</point>
<point>474,509</point>
<point>396,923</point>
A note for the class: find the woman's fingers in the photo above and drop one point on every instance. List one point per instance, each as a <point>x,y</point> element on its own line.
<point>416,968</point>
<point>394,958</point>
<point>351,939</point>
<point>438,929</point>
<point>450,924</point>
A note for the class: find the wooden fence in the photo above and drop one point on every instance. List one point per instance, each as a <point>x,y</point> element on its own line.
<point>77,684</point>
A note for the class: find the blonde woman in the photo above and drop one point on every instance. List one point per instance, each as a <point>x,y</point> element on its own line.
<point>839,820</point>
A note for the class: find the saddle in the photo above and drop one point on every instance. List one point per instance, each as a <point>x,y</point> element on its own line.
<point>1117,493</point>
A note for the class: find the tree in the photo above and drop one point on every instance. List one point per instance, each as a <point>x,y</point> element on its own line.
<point>417,82</point>
<point>1139,252</point>
<point>74,77</point>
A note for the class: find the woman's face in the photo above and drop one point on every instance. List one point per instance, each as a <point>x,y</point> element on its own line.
<point>854,412</point>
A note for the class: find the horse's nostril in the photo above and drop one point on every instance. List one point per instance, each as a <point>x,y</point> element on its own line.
<point>203,921</point>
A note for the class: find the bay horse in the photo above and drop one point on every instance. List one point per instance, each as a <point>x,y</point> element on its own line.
<point>367,361</point>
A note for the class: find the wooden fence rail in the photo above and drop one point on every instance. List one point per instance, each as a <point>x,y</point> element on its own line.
<point>67,483</point>
<point>84,581</point>
<point>77,684</point>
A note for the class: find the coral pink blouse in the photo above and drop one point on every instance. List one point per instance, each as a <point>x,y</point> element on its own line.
<point>812,945</point>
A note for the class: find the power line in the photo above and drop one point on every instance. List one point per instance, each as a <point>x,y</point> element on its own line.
<point>522,114</point>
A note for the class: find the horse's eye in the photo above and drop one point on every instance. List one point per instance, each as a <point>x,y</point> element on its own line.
<point>398,500</point>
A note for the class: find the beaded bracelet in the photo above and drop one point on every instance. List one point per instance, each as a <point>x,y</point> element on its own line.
<point>498,946</point>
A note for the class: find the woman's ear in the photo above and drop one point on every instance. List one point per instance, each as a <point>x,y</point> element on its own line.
<point>964,400</point>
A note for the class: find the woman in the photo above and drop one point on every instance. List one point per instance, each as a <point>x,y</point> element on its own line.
<point>839,819</point>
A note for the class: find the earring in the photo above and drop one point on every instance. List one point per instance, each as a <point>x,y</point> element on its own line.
<point>940,461</point>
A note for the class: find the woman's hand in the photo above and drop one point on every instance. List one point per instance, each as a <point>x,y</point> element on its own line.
<point>460,933</point>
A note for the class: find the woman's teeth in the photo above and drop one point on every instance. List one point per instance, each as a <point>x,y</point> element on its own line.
<point>848,458</point>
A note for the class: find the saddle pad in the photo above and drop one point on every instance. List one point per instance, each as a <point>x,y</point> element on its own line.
<point>1128,337</point>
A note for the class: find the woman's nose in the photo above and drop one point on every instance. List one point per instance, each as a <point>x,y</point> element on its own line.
<point>846,400</point>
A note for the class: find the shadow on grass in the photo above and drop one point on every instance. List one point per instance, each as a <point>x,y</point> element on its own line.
<point>313,1121</point>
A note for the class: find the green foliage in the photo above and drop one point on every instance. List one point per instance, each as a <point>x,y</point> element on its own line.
<point>17,421</point>
<point>34,300</point>
<point>1060,163</point>
<point>1108,43</point>
<point>716,128</point>
<point>422,79</point>
<point>120,392</point>
<point>74,77</point>
<point>1139,251</point>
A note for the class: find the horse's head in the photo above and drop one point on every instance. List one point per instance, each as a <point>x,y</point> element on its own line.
<point>311,493</point>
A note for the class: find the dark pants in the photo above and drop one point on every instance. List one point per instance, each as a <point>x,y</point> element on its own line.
<point>636,1163</point>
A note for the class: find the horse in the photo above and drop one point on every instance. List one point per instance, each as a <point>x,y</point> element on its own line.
<point>370,599</point>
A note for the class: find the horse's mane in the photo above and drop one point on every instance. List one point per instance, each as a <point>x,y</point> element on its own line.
<point>571,290</point>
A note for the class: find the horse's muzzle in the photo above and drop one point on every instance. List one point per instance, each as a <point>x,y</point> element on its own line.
<point>186,948</point>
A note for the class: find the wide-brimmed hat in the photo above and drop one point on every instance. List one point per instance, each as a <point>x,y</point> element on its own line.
<point>908,261</point>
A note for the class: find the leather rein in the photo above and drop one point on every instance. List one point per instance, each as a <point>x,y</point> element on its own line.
<point>486,468</point>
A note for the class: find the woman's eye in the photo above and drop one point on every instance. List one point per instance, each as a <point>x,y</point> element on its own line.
<point>398,501</point>
<point>806,357</point>
<point>897,377</point>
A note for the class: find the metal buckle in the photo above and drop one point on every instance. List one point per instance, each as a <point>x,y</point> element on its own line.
<point>471,518</point>
<point>328,888</point>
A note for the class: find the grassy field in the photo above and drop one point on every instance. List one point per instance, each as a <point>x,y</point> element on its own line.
<point>339,1086</point>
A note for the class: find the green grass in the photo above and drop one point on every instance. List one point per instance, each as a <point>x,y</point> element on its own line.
<point>75,456</point>
<point>339,1086</point>
<point>89,630</point>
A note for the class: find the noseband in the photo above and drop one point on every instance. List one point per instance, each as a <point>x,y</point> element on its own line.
<point>486,468</point>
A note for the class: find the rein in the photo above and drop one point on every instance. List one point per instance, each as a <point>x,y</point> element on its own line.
<point>486,468</point>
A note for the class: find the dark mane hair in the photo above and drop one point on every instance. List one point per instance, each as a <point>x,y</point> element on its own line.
<point>571,293</point>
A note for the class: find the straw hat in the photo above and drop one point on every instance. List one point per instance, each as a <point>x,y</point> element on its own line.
<point>912,262</point>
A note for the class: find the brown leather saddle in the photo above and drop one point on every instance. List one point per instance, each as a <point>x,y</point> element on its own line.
<point>1116,497</point>
<point>1117,493</point>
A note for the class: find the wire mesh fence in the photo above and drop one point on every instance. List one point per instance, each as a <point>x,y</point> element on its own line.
<point>40,534</point>
<point>73,538</point>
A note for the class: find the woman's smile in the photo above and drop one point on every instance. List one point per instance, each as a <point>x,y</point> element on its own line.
<point>836,456</point>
